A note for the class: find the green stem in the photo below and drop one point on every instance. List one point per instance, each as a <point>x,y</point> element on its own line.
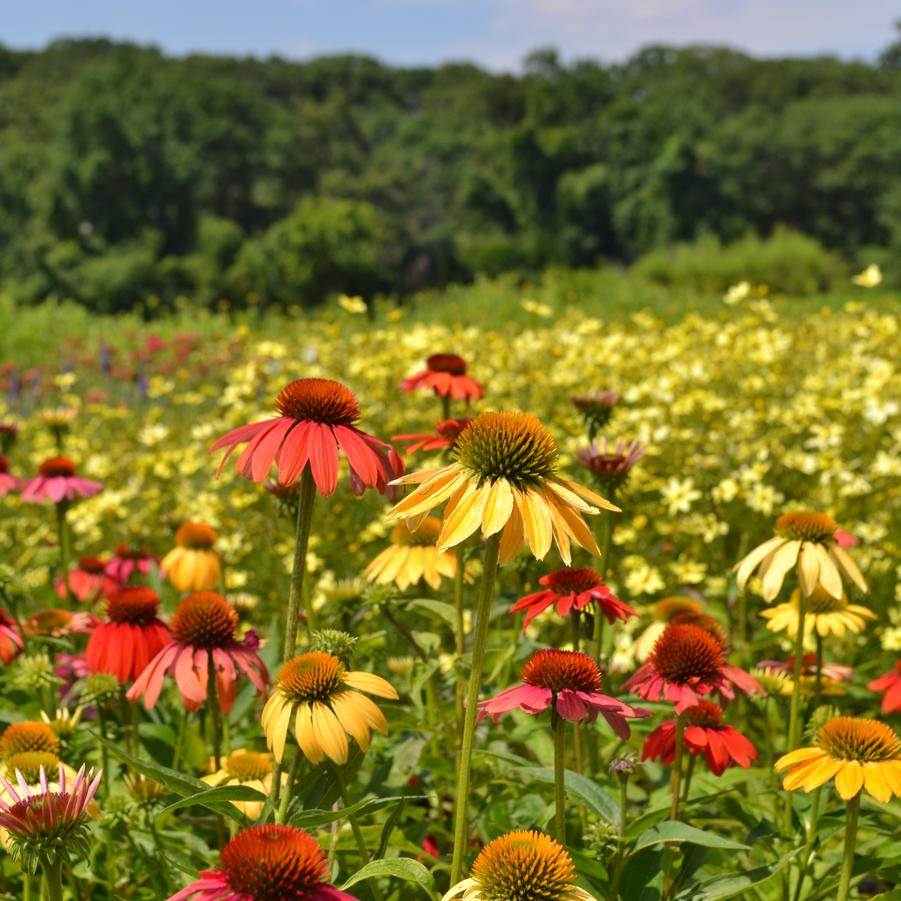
<point>212,700</point>
<point>65,550</point>
<point>53,873</point>
<point>26,886</point>
<point>358,833</point>
<point>289,787</point>
<point>689,772</point>
<point>459,637</point>
<point>844,882</point>
<point>676,776</point>
<point>180,740</point>
<point>605,569</point>
<point>806,854</point>
<point>559,727</point>
<point>296,594</point>
<point>794,719</point>
<point>274,789</point>
<point>104,754</point>
<point>464,771</point>
<point>446,407</point>
<point>818,690</point>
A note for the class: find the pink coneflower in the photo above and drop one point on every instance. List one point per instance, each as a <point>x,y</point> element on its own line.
<point>573,589</point>
<point>129,563</point>
<point>686,662</point>
<point>11,643</point>
<point>58,481</point>
<point>445,435</point>
<point>85,581</point>
<point>267,863</point>
<point>70,669</point>
<point>611,465</point>
<point>7,482</point>
<point>890,683</point>
<point>571,682</point>
<point>445,374</point>
<point>705,733</point>
<point>203,634</point>
<point>132,635</point>
<point>316,420</point>
<point>596,409</point>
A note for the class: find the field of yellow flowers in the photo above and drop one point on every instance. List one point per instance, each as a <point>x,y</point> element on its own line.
<point>651,723</point>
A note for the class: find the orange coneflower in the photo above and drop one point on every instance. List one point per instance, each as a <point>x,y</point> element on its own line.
<point>28,736</point>
<point>445,374</point>
<point>11,642</point>
<point>193,565</point>
<point>412,556</point>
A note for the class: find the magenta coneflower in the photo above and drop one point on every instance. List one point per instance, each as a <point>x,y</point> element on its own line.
<point>572,590</point>
<point>446,375</point>
<point>57,480</point>
<point>445,435</point>
<point>596,409</point>
<point>686,662</point>
<point>7,482</point>
<point>571,682</point>
<point>611,465</point>
<point>11,643</point>
<point>203,637</point>
<point>85,581</point>
<point>267,863</point>
<point>129,563</point>
<point>316,420</point>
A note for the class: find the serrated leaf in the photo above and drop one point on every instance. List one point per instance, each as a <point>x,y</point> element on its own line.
<point>674,831</point>
<point>398,867</point>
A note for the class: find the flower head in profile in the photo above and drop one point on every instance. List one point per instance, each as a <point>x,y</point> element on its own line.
<point>570,683</point>
<point>325,702</point>
<point>193,565</point>
<point>267,863</point>
<point>807,541</point>
<point>130,637</point>
<point>58,481</point>
<point>203,642</point>
<point>85,581</point>
<point>705,734</point>
<point>58,622</point>
<point>663,612</point>
<point>611,465</point>
<point>11,642</point>
<point>8,482</point>
<point>858,753</point>
<point>445,375</point>
<point>521,866</point>
<point>890,684</point>
<point>127,565</point>
<point>824,614</point>
<point>686,663</point>
<point>412,557</point>
<point>503,478</point>
<point>445,435</point>
<point>568,590</point>
<point>249,768</point>
<point>315,420</point>
<point>596,409</point>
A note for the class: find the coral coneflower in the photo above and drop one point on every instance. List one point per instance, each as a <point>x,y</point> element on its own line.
<point>890,683</point>
<point>267,863</point>
<point>596,409</point>
<point>325,702</point>
<point>664,612</point>
<point>687,661</point>
<point>570,590</point>
<point>8,482</point>
<point>807,540</point>
<point>131,636</point>
<point>11,642</point>
<point>521,866</point>
<point>28,736</point>
<point>445,435</point>
<point>316,419</point>
<point>503,480</point>
<point>825,614</point>
<point>85,581</point>
<point>127,564</point>
<point>203,640</point>
<point>193,565</point>
<point>248,768</point>
<point>705,733</point>
<point>611,465</point>
<point>57,622</point>
<point>57,480</point>
<point>412,556</point>
<point>445,374</point>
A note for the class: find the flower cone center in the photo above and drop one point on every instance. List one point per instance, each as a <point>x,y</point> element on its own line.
<point>705,714</point>
<point>851,738</point>
<point>22,738</point>
<point>512,446</point>
<point>44,816</point>
<point>571,581</point>
<point>195,535</point>
<point>559,670</point>
<point>124,552</point>
<point>806,526</point>
<point>133,604</point>
<point>318,400</point>
<point>311,677</point>
<point>687,653</point>
<point>205,619</point>
<point>57,466</point>
<point>29,764</point>
<point>446,363</point>
<point>246,766</point>
<point>274,863</point>
<point>92,565</point>
<point>523,866</point>
<point>707,623</point>
<point>425,535</point>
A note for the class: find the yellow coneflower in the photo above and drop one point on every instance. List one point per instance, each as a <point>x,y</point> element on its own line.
<point>249,768</point>
<point>412,556</point>
<point>325,701</point>
<point>521,866</point>
<point>825,614</point>
<point>807,540</point>
<point>193,565</point>
<point>503,480</point>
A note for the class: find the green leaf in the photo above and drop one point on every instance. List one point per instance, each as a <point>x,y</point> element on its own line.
<point>721,887</point>
<point>399,867</point>
<point>440,609</point>
<point>674,831</point>
<point>593,797</point>
<point>214,796</point>
<point>310,818</point>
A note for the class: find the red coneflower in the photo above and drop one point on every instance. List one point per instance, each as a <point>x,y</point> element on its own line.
<point>203,636</point>
<point>267,863</point>
<point>446,375</point>
<point>445,435</point>
<point>890,683</point>
<point>57,480</point>
<point>132,635</point>
<point>705,733</point>
<point>571,682</point>
<point>11,643</point>
<point>129,563</point>
<point>573,589</point>
<point>687,662</point>
<point>7,482</point>
<point>85,581</point>
<point>316,419</point>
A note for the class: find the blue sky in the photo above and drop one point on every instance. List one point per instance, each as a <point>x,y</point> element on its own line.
<point>495,33</point>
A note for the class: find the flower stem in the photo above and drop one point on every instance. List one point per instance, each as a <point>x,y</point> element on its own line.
<point>806,854</point>
<point>296,595</point>
<point>464,771</point>
<point>818,691</point>
<point>358,834</point>
<point>676,776</point>
<point>289,787</point>
<point>459,636</point>
<point>844,882</point>
<point>180,740</point>
<point>104,753</point>
<point>794,719</point>
<point>559,727</point>
<point>605,569</point>
<point>212,700</point>
<point>689,772</point>
<point>53,873</point>
<point>65,551</point>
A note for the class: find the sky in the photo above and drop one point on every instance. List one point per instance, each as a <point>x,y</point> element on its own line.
<point>494,33</point>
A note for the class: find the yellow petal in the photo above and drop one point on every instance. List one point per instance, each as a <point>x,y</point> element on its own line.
<point>797,756</point>
<point>849,779</point>
<point>808,569</point>
<point>374,685</point>
<point>430,494</point>
<point>830,577</point>
<point>783,560</point>
<point>876,782</point>
<point>849,566</point>
<point>751,562</point>
<point>332,737</point>
<point>344,703</point>
<point>820,774</point>
<point>498,507</point>
<point>466,518</point>
<point>536,519</point>
<point>306,735</point>
<point>587,494</point>
<point>513,535</point>
<point>280,726</point>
